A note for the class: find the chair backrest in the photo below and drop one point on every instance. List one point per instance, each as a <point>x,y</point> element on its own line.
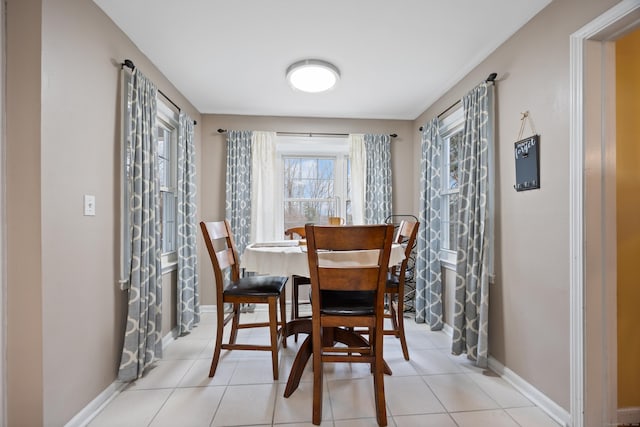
<point>406,235</point>
<point>291,232</point>
<point>331,269</point>
<point>222,251</point>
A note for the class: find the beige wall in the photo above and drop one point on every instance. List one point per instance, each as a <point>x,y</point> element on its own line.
<point>628,216</point>
<point>66,312</point>
<point>529,303</point>
<point>214,164</point>
<point>23,189</point>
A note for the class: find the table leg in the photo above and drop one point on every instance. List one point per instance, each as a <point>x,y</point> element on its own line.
<point>305,351</point>
<point>354,339</point>
<point>299,326</point>
<point>302,357</point>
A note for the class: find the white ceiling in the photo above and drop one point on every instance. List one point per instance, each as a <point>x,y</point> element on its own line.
<point>395,57</point>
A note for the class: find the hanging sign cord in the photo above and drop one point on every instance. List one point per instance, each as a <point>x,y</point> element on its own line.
<point>523,119</point>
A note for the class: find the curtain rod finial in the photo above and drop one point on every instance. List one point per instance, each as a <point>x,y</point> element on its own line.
<point>129,64</point>
<point>222,130</point>
<point>492,77</point>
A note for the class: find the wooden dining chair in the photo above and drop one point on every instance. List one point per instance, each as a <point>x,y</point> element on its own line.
<point>246,290</point>
<point>348,295</point>
<point>297,281</point>
<point>295,232</point>
<point>406,235</point>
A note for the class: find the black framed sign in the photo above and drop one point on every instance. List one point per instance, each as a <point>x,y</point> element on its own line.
<point>527,154</point>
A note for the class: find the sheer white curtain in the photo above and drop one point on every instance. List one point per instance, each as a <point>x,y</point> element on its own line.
<point>264,202</point>
<point>358,155</point>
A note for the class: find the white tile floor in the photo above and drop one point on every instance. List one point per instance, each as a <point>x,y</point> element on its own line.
<point>432,389</point>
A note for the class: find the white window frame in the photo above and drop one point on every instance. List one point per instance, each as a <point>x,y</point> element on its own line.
<point>314,147</point>
<point>449,125</point>
<point>169,119</point>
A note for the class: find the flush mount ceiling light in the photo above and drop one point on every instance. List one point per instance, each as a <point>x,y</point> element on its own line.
<point>312,75</point>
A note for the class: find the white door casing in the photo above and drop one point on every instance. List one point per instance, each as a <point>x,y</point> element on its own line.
<point>593,348</point>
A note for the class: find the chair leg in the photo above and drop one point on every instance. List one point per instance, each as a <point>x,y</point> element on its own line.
<point>273,329</point>
<point>378,382</point>
<point>283,319</point>
<point>400,316</point>
<point>317,379</point>
<point>381,410</point>
<point>294,303</point>
<point>218,344</point>
<point>234,323</point>
<point>393,314</point>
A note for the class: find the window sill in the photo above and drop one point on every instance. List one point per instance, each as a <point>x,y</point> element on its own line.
<point>449,265</point>
<point>168,267</point>
<point>448,259</point>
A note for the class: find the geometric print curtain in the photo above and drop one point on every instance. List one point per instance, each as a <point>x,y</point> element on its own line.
<point>429,275</point>
<point>377,200</point>
<point>188,294</point>
<point>470,324</point>
<point>238,187</point>
<point>143,279</point>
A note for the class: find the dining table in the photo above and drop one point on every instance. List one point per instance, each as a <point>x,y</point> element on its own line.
<point>289,257</point>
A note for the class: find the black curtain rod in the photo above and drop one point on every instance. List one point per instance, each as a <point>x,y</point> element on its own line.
<point>490,79</point>
<point>312,134</point>
<point>129,64</point>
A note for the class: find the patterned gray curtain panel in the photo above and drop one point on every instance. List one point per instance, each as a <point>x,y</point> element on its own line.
<point>142,340</point>
<point>470,324</point>
<point>377,193</point>
<point>238,190</point>
<point>429,276</point>
<point>188,297</point>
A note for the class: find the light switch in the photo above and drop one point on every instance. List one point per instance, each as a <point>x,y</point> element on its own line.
<point>89,205</point>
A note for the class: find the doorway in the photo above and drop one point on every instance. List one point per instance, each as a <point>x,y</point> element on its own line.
<point>628,224</point>
<point>593,246</point>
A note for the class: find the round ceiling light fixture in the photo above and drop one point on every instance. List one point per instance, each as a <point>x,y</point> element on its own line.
<point>312,75</point>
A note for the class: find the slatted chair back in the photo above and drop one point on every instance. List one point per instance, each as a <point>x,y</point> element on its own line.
<point>348,294</point>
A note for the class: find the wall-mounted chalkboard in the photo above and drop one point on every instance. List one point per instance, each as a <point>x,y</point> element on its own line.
<point>527,153</point>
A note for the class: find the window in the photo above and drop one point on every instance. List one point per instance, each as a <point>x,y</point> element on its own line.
<point>167,176</point>
<point>451,130</point>
<point>314,175</point>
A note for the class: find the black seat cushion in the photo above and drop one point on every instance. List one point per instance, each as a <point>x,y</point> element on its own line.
<point>346,303</point>
<point>257,286</point>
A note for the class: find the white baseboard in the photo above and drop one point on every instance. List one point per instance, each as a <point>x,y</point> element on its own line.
<point>207,309</point>
<point>551,408</point>
<point>629,415</point>
<point>447,329</point>
<point>169,338</point>
<point>83,417</point>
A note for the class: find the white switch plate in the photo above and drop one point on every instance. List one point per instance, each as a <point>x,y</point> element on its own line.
<point>89,205</point>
